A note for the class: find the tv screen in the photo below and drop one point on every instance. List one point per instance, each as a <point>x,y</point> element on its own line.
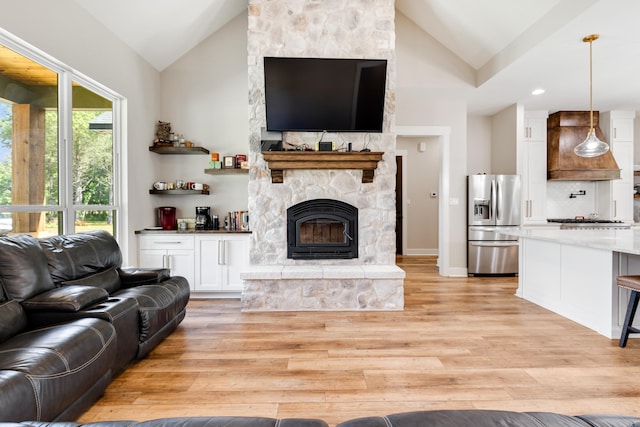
<point>324,94</point>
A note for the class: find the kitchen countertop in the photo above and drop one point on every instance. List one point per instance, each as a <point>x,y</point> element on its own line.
<point>615,240</point>
<point>191,232</point>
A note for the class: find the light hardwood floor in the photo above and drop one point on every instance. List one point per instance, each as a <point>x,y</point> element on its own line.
<point>460,343</point>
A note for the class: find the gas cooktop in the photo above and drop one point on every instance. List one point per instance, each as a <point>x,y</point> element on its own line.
<point>589,224</point>
<point>583,221</point>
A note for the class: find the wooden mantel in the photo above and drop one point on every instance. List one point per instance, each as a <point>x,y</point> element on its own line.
<point>279,161</point>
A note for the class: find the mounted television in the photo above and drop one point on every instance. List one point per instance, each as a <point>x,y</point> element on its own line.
<point>324,94</point>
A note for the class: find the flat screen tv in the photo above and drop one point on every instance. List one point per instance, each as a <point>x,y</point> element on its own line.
<point>324,94</point>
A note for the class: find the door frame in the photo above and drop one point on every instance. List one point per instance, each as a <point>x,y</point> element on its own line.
<point>405,210</point>
<point>444,224</point>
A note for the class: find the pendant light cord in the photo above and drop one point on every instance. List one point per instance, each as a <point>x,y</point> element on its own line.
<point>591,39</point>
<point>591,83</point>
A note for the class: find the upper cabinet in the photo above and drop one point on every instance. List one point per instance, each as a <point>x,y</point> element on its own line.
<point>535,125</point>
<point>617,127</point>
<point>532,167</point>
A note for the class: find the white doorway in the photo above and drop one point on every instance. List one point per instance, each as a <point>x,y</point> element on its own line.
<point>421,192</point>
<point>442,133</point>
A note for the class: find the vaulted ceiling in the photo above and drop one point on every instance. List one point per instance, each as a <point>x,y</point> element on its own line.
<point>514,46</point>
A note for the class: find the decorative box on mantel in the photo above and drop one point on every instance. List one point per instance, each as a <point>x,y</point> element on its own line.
<point>279,161</point>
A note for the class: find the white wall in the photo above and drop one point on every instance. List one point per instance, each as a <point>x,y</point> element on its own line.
<point>198,104</point>
<point>65,31</point>
<point>204,96</point>
<point>636,135</point>
<point>428,77</point>
<point>478,144</point>
<point>504,141</point>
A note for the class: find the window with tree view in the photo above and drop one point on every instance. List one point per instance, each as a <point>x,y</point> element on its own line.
<point>57,165</point>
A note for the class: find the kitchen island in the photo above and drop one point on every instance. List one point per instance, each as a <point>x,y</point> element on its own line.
<point>573,273</point>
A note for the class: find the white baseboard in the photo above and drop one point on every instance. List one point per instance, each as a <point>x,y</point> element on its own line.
<point>422,252</point>
<point>458,272</point>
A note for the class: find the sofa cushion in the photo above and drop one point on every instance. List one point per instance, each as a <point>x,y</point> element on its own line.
<point>12,319</point>
<point>142,276</point>
<point>469,417</point>
<point>67,298</point>
<point>109,280</point>
<point>232,421</point>
<point>73,256</point>
<point>61,362</point>
<point>23,267</point>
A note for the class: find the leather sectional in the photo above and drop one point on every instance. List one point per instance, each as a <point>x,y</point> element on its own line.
<point>489,418</point>
<point>71,318</point>
<point>435,418</point>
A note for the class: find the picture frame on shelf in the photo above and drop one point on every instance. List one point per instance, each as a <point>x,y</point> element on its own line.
<point>229,162</point>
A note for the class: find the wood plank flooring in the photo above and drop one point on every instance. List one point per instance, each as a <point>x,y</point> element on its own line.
<point>460,343</point>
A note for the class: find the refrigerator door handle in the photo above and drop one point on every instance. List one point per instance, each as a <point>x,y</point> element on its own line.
<point>498,201</point>
<point>507,243</point>
<point>492,205</point>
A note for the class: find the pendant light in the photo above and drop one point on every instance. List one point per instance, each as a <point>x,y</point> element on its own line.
<point>591,146</point>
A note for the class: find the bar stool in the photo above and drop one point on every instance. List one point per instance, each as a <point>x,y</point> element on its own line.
<point>633,284</point>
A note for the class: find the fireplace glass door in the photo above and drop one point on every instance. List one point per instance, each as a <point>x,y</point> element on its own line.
<point>322,229</point>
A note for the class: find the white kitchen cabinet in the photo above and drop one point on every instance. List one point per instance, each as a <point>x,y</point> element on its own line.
<point>617,127</point>
<point>219,260</point>
<point>535,125</point>
<point>172,251</point>
<point>532,167</point>
<point>622,189</point>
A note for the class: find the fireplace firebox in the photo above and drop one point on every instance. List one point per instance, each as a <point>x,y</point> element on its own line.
<point>322,229</point>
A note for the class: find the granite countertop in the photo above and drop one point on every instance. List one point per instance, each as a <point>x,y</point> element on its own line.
<point>616,240</point>
<point>192,231</point>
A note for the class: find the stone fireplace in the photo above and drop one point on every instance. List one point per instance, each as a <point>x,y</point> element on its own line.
<point>365,277</point>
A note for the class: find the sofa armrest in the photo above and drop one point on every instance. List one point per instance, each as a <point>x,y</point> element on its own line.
<point>131,277</point>
<point>66,298</point>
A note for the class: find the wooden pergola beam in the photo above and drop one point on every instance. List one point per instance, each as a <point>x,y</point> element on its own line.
<point>28,159</point>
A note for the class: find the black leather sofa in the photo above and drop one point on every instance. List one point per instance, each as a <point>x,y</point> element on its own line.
<point>436,418</point>
<point>489,418</point>
<point>71,318</point>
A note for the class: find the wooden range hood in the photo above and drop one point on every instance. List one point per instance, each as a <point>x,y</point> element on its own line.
<point>565,130</point>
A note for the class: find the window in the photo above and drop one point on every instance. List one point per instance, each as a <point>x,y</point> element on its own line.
<point>59,170</point>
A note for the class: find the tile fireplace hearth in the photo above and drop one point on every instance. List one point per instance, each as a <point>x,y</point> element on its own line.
<point>326,288</point>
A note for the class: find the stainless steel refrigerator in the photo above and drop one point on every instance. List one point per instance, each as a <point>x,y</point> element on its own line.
<point>493,202</point>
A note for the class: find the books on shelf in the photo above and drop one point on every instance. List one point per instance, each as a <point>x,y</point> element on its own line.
<point>237,221</point>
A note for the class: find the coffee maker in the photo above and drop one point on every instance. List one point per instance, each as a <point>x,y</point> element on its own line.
<point>167,217</point>
<point>203,218</point>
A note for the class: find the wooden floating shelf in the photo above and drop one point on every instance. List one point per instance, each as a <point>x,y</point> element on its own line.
<point>178,192</point>
<point>227,171</point>
<point>178,150</point>
<point>279,161</point>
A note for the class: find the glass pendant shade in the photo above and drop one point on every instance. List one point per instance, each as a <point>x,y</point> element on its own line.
<point>591,146</point>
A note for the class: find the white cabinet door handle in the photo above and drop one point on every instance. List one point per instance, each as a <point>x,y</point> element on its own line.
<point>220,252</point>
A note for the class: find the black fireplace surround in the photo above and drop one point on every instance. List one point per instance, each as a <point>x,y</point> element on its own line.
<point>322,229</point>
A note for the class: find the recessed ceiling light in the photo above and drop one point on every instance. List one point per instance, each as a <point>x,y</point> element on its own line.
<point>537,92</point>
